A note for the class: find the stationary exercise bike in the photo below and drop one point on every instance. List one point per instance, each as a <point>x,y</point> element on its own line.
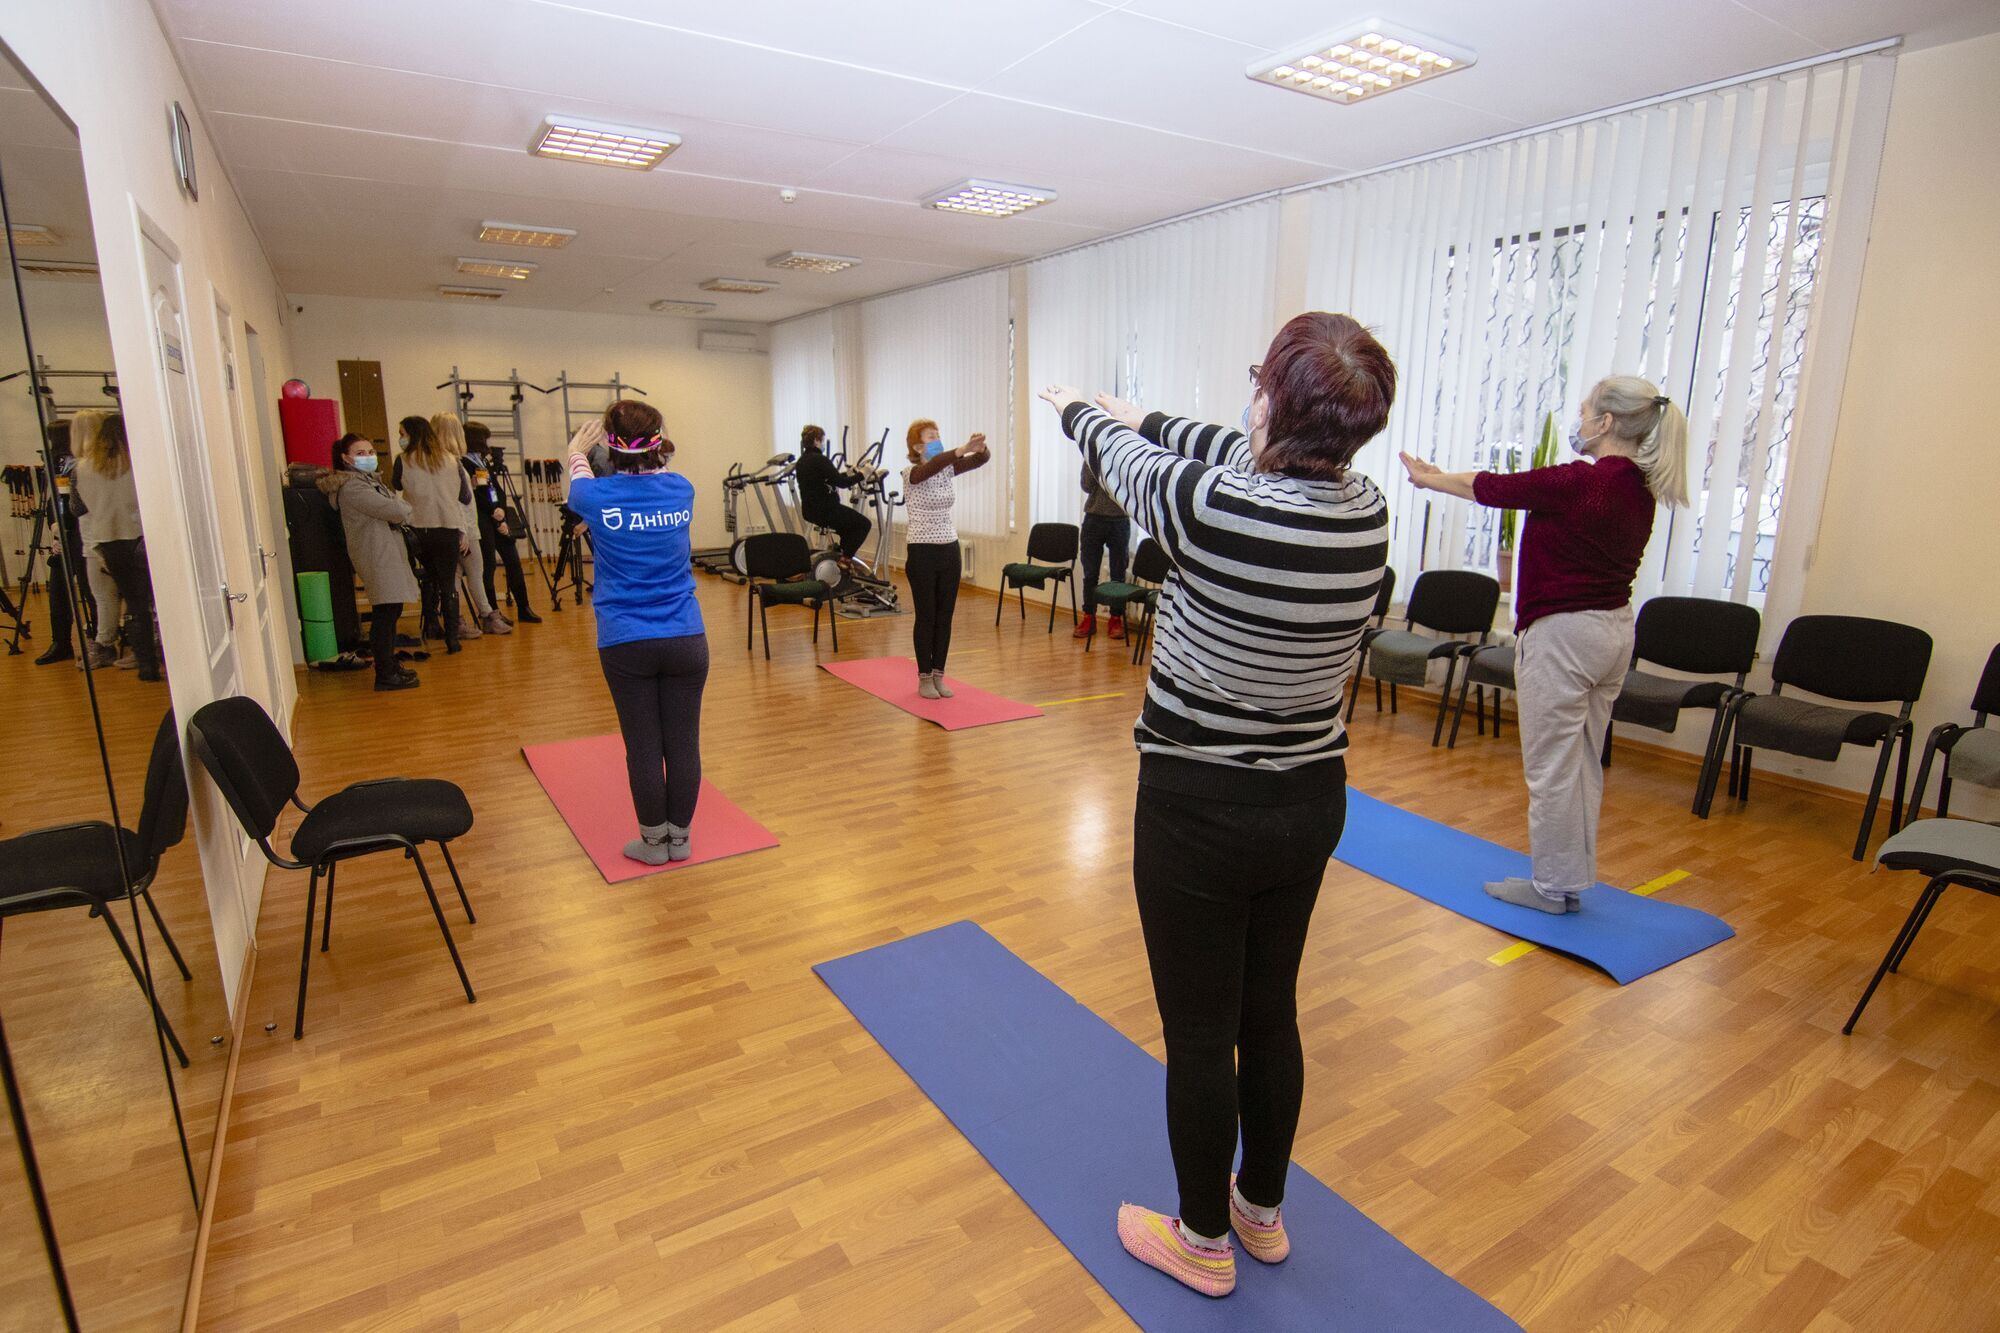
<point>861,587</point>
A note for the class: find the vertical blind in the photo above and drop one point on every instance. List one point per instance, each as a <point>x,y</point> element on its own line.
<point>1171,318</point>
<point>945,353</point>
<point>1679,241</point>
<point>804,390</point>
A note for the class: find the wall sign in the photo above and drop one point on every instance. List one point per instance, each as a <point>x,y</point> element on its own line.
<point>183,143</point>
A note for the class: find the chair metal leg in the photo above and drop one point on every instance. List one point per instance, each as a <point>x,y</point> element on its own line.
<point>1887,746</point>
<point>1073,616</point>
<point>832,624</point>
<point>1000,602</point>
<point>1916,805</point>
<point>1052,607</point>
<point>166,936</point>
<point>764,620</point>
<point>1720,737</point>
<point>1444,699</point>
<point>1392,698</point>
<point>750,621</point>
<point>438,912</point>
<point>1944,794</point>
<point>816,609</point>
<point>1021,594</point>
<point>305,955</point>
<point>326,925</point>
<point>1923,919</point>
<point>1354,695</point>
<point>1749,757</point>
<point>1479,703</point>
<point>458,883</point>
<point>152,1001</point>
<point>1930,895</point>
<point>1378,694</point>
<point>1902,779</point>
<point>1458,713</point>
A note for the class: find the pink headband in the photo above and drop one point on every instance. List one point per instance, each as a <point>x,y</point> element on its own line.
<point>642,446</point>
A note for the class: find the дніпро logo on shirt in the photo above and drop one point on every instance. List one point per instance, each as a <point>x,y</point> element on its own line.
<point>642,520</point>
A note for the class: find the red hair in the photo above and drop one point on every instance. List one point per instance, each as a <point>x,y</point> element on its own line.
<point>1330,386</point>
<point>914,439</point>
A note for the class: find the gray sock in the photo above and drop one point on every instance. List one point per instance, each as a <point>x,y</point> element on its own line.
<point>1523,893</point>
<point>655,844</point>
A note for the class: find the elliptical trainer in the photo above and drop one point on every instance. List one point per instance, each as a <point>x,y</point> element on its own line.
<point>861,586</point>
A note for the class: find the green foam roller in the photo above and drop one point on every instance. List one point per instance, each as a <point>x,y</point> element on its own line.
<point>315,597</point>
<point>321,642</point>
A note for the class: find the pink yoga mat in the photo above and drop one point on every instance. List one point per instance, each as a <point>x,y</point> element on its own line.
<point>894,680</point>
<point>585,778</point>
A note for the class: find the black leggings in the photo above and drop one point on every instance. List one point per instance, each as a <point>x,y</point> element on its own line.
<point>1226,892</point>
<point>505,551</point>
<point>1101,533</point>
<point>656,687</point>
<point>437,552</point>
<point>933,569</point>
<point>382,638</point>
<point>851,525</point>
<point>126,562</point>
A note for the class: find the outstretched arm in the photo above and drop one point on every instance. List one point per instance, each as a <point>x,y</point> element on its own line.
<point>1198,440</point>
<point>1430,477</point>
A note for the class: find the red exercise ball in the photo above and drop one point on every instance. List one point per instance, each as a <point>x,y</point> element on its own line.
<point>297,389</point>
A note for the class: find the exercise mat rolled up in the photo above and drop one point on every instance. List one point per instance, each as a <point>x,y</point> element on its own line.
<point>320,641</point>
<point>315,596</point>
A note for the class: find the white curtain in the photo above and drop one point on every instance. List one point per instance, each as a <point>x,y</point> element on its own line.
<point>804,385</point>
<point>1679,241</point>
<point>1171,318</point>
<point>943,352</point>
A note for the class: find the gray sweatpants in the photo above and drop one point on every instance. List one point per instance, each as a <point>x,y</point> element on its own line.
<point>1568,669</point>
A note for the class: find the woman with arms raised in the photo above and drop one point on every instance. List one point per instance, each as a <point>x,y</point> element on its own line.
<point>1276,551</point>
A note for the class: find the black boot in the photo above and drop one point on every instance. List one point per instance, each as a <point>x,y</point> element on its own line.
<point>57,652</point>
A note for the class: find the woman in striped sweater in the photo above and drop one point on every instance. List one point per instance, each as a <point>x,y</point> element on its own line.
<point>1276,552</point>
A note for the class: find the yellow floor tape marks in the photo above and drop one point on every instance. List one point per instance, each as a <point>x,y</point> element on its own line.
<point>1082,699</point>
<point>1521,948</point>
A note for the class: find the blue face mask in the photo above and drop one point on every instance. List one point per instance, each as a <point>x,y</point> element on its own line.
<point>1246,419</point>
<point>933,449</point>
<point>365,463</point>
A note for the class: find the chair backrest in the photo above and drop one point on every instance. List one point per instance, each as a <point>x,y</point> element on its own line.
<point>776,555</point>
<point>1454,601</point>
<point>1703,636</point>
<point>245,753</point>
<point>1385,594</point>
<point>1150,563</point>
<point>1853,658</point>
<point>163,817</point>
<point>1052,543</point>
<point>1986,698</point>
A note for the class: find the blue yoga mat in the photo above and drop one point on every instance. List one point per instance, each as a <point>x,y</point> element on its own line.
<point>1622,933</point>
<point>1073,1117</point>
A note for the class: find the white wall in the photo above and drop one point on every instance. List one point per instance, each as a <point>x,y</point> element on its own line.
<point>107,67</point>
<point>1910,530</point>
<point>717,404</point>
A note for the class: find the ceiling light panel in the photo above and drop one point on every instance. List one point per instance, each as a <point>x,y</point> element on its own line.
<point>619,146</point>
<point>517,269</point>
<point>684,307</point>
<point>804,261</point>
<point>457,293</point>
<point>989,199</point>
<point>29,233</point>
<point>741,286</point>
<point>1360,61</point>
<point>522,233</point>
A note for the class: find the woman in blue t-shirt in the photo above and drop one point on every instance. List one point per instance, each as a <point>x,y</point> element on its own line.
<point>649,634</point>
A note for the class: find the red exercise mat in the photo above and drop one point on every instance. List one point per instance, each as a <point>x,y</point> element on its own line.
<point>585,779</point>
<point>894,680</point>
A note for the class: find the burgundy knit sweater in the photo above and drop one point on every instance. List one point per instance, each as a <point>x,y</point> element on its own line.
<point>1587,529</point>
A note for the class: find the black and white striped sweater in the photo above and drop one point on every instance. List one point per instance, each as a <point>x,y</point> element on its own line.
<point>1273,579</point>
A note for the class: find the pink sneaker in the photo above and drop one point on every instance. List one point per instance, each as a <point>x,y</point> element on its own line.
<point>1267,1243</point>
<point>1154,1240</point>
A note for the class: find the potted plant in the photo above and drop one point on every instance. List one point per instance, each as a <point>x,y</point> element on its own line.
<point>1543,456</point>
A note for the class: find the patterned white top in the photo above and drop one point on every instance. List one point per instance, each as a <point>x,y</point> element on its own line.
<point>927,508</point>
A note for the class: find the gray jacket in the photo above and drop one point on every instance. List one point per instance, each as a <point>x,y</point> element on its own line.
<point>371,515</point>
<point>440,498</point>
<point>110,505</point>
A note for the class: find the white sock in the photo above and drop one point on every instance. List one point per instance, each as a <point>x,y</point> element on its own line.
<point>1262,1216</point>
<point>1197,1239</point>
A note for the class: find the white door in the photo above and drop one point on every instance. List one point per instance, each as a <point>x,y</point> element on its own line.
<point>190,461</point>
<point>277,672</point>
<point>264,444</point>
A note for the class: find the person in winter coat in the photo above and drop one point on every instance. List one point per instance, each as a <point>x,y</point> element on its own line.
<point>373,517</point>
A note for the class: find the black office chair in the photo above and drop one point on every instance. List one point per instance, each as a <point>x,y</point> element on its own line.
<point>1971,754</point>
<point>1446,601</point>
<point>1385,596</point>
<point>1947,851</point>
<point>1854,659</point>
<point>77,865</point>
<point>1701,636</point>
<point>245,753</point>
<point>1150,567</point>
<point>1051,559</point>
<point>771,564</point>
<point>1487,666</point>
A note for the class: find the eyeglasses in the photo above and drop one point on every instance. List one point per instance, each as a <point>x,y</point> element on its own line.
<point>1256,375</point>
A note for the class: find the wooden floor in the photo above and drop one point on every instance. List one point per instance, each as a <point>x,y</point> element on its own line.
<point>85,1053</point>
<point>656,1117</point>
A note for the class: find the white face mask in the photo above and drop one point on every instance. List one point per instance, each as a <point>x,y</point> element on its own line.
<point>1579,442</point>
<point>364,463</point>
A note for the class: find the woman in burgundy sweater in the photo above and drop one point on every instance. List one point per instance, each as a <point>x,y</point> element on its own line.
<point>1587,529</point>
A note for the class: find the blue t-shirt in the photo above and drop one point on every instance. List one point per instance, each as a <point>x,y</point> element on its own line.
<point>639,524</point>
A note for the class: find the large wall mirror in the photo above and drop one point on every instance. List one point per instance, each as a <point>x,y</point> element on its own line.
<point>110,994</point>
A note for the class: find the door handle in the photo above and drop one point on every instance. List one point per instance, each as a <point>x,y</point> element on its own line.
<point>229,600</point>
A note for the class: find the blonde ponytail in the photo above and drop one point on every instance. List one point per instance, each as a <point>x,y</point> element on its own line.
<point>1654,427</point>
